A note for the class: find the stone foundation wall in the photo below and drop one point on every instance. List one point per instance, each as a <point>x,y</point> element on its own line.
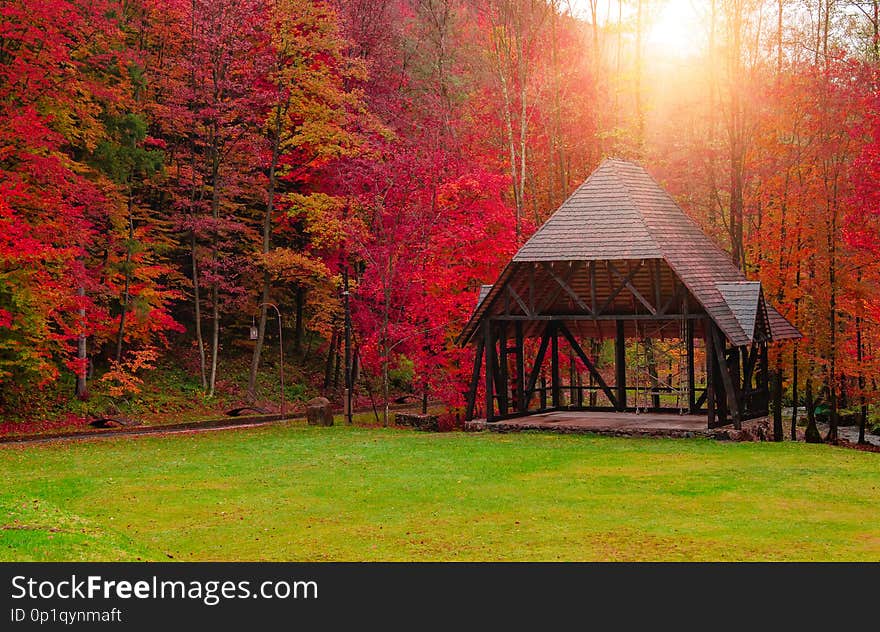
<point>753,430</point>
<point>428,423</point>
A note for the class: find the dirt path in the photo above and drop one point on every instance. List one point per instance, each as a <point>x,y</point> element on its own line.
<point>139,431</point>
<point>189,427</point>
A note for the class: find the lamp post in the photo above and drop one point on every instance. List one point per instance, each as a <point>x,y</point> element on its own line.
<point>255,334</point>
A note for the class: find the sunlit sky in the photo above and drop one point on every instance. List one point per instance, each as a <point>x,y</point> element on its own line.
<point>672,28</point>
<point>676,29</point>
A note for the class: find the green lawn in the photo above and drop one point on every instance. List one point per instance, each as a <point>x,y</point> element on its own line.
<point>299,493</point>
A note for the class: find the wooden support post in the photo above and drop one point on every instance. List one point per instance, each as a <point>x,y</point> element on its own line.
<point>489,352</point>
<point>749,359</point>
<point>764,373</point>
<point>710,371</point>
<point>730,387</point>
<point>691,382</point>
<point>555,381</point>
<point>762,379</point>
<point>593,304</point>
<point>521,403</point>
<point>595,349</point>
<point>652,373</point>
<point>475,380</point>
<point>620,366</point>
<point>658,287</point>
<point>503,387</point>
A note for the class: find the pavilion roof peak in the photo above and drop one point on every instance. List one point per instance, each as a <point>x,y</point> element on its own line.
<point>621,213</point>
<point>599,220</point>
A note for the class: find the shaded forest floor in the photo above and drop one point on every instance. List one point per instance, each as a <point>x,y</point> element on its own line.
<point>172,394</point>
<point>292,492</point>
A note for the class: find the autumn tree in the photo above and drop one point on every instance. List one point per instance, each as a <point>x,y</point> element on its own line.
<point>313,118</point>
<point>65,89</point>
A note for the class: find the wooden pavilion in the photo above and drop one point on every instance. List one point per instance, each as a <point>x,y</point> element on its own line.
<point>620,260</point>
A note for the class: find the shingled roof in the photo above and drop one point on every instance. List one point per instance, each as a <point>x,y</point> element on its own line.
<point>621,213</point>
<point>484,292</point>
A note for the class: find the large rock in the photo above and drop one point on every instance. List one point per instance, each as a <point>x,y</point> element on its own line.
<point>318,412</point>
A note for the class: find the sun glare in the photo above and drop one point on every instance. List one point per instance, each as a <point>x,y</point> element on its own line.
<point>675,30</point>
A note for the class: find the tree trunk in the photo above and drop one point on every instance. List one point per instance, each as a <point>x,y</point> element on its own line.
<point>508,128</point>
<point>197,306</point>
<point>863,408</point>
<point>215,337</point>
<point>523,127</point>
<point>261,338</point>
<point>794,354</point>
<point>557,190</point>
<point>779,40</point>
<point>875,26</point>
<point>617,66</point>
<point>832,210</point>
<point>267,244</point>
<point>82,388</point>
<point>120,336</point>
<point>778,431</point>
<point>794,392</point>
<point>298,332</point>
<point>598,78</point>
<point>215,288</point>
<point>736,132</point>
<point>386,346</point>
<point>331,354</point>
<point>337,367</point>
<point>640,115</point>
<point>812,433</point>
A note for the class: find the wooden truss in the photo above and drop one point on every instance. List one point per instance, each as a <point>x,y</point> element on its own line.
<point>628,294</point>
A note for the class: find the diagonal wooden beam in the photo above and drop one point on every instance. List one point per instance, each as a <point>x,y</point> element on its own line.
<point>627,282</point>
<point>680,289</point>
<point>620,288</point>
<point>555,295</point>
<point>701,400</point>
<point>516,297</point>
<point>539,360</point>
<point>590,366</point>
<point>565,286</point>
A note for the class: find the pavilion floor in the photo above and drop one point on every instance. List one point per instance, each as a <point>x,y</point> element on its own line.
<point>610,423</point>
